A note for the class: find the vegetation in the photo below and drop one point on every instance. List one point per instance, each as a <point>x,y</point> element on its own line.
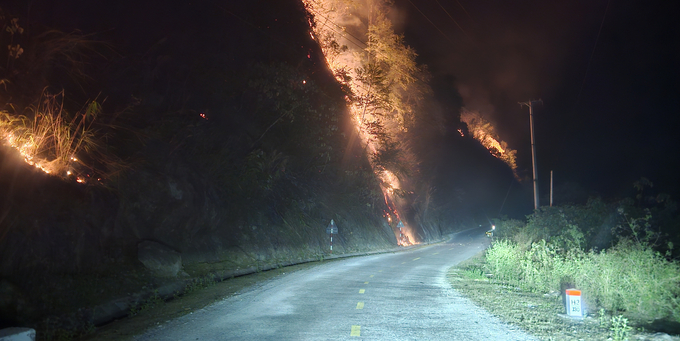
<point>48,129</point>
<point>628,270</point>
<point>618,254</point>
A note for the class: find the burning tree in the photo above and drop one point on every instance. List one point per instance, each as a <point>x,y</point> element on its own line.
<point>383,85</point>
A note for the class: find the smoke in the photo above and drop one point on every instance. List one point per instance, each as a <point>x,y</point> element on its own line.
<point>503,52</point>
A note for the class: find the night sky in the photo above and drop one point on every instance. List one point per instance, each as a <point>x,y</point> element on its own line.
<point>611,109</point>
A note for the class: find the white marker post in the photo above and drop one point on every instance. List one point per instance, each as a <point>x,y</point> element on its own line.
<point>332,229</point>
<point>574,303</point>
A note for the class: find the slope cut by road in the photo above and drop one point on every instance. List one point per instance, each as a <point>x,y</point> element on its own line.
<point>398,296</point>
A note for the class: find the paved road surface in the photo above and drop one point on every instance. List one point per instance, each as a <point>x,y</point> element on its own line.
<point>397,296</point>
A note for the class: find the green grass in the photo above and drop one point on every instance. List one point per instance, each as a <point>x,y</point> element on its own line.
<point>628,277</point>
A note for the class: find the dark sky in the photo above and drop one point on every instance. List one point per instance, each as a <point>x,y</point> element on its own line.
<point>606,121</point>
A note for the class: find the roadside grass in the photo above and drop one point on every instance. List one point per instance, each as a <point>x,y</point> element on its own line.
<point>543,314</point>
<point>626,278</point>
<point>629,287</point>
<point>539,315</point>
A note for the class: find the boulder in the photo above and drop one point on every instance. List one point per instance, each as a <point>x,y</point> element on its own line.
<point>160,259</point>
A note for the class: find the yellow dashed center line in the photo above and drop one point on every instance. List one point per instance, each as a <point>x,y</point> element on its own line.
<point>379,270</point>
<point>417,258</point>
<point>436,253</point>
<point>356,331</point>
<point>361,291</point>
<point>371,275</point>
<point>365,282</point>
<point>360,305</point>
<point>403,262</point>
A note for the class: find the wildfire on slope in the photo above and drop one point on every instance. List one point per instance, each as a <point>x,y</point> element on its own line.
<point>482,131</point>
<point>49,138</point>
<point>25,149</point>
<point>343,39</point>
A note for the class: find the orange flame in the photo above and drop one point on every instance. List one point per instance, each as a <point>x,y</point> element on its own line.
<point>485,133</point>
<point>344,57</point>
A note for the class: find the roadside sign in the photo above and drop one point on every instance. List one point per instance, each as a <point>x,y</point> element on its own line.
<point>574,303</point>
<point>332,229</point>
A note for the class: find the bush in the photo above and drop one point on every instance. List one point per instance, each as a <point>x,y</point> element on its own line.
<point>582,226</point>
<point>628,277</point>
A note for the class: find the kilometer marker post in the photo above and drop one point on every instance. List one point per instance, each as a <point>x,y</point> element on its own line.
<point>574,303</point>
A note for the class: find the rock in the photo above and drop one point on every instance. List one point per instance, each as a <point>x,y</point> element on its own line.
<point>162,260</point>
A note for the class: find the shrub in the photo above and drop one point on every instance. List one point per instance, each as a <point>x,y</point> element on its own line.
<point>629,277</point>
<point>504,261</point>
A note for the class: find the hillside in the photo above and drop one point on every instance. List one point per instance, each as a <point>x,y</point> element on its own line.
<point>219,135</point>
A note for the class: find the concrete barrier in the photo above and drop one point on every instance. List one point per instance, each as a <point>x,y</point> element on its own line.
<point>17,334</point>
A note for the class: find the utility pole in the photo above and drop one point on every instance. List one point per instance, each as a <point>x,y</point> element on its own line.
<point>533,147</point>
<point>551,188</point>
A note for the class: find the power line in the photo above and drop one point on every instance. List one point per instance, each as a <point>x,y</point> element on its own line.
<point>454,20</point>
<point>341,28</point>
<point>592,53</point>
<point>428,19</point>
<point>365,45</point>
<point>464,10</point>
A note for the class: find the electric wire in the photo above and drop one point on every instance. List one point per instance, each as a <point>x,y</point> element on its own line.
<point>428,19</point>
<point>506,197</point>
<point>340,27</point>
<point>342,33</point>
<point>592,53</point>
<point>452,19</point>
<point>464,10</point>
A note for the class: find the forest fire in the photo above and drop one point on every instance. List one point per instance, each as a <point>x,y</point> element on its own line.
<point>484,132</point>
<point>367,57</point>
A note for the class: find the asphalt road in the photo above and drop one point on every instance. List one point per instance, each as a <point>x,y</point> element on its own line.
<point>396,296</point>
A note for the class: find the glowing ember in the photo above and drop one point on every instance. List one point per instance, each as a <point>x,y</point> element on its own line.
<point>27,150</point>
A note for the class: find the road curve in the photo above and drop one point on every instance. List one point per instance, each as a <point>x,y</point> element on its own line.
<point>395,296</point>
